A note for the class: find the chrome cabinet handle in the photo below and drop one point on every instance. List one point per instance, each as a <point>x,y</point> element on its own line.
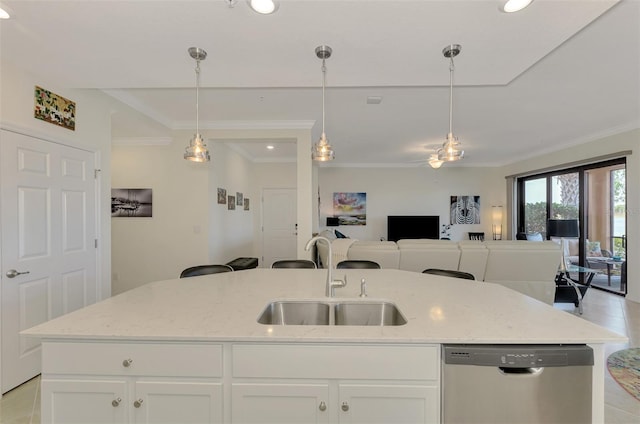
<point>138,403</point>
<point>323,406</point>
<point>116,402</point>
<point>345,406</point>
<point>127,363</point>
<point>12,273</point>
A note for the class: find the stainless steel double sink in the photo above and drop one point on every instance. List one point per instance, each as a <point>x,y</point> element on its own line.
<point>344,312</point>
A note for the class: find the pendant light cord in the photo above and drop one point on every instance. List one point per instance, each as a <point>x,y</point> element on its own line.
<point>198,96</point>
<point>451,66</point>
<point>324,78</point>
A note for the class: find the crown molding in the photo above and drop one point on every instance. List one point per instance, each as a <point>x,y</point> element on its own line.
<point>141,141</point>
<point>247,125</point>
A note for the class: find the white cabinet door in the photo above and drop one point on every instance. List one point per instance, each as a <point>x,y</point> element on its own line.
<point>177,402</point>
<point>280,403</point>
<point>84,401</point>
<point>369,404</point>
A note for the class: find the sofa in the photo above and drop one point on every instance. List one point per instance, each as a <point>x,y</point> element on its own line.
<point>527,267</point>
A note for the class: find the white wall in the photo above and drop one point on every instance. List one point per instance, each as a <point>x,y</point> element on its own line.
<point>188,226</point>
<point>607,145</point>
<point>231,232</point>
<point>411,191</point>
<point>175,237</point>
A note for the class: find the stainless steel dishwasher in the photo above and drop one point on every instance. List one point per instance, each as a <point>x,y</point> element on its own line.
<point>516,383</point>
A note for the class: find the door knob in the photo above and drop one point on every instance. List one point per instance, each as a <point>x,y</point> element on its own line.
<point>12,273</point>
<point>322,406</point>
<point>116,402</point>
<point>138,403</point>
<point>345,406</point>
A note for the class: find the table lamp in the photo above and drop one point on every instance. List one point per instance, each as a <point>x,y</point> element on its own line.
<point>563,228</point>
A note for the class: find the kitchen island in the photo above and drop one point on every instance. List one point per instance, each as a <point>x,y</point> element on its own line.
<point>191,350</point>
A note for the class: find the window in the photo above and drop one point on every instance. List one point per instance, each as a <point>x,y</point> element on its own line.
<point>593,194</point>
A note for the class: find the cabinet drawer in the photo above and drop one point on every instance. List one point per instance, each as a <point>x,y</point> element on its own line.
<point>396,362</point>
<point>143,359</point>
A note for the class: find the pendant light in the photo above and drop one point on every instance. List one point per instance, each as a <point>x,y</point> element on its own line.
<point>197,150</point>
<point>322,150</point>
<point>450,150</point>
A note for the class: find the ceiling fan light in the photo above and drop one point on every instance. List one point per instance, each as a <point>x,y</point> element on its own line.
<point>515,5</point>
<point>197,150</point>
<point>264,7</point>
<point>434,162</point>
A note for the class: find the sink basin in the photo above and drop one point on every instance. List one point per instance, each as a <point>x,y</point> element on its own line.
<point>311,312</point>
<point>368,313</point>
<point>295,313</point>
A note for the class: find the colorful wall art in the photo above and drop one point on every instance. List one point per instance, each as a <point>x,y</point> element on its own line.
<point>54,109</point>
<point>350,208</point>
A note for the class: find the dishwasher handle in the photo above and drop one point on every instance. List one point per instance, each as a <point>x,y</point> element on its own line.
<point>524,371</point>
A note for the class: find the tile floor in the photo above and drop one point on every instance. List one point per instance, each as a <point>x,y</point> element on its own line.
<point>22,405</point>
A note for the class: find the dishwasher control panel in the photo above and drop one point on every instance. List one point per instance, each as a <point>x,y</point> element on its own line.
<point>518,356</point>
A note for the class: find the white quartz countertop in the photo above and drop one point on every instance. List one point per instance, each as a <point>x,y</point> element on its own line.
<point>225,307</point>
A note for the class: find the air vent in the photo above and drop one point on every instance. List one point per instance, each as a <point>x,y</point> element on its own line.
<point>374,100</point>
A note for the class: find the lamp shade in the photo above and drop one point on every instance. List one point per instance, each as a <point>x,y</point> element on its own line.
<point>563,228</point>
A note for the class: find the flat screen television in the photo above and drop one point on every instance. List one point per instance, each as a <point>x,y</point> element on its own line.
<point>413,227</point>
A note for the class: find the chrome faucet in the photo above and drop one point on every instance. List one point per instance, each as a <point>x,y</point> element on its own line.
<point>330,290</point>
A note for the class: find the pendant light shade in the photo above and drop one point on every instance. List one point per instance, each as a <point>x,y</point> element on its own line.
<point>451,149</point>
<point>197,150</point>
<point>322,150</point>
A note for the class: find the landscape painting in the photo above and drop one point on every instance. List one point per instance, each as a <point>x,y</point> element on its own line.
<point>350,208</point>
<point>132,202</point>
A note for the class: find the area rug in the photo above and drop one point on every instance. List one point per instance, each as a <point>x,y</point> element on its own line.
<point>624,367</point>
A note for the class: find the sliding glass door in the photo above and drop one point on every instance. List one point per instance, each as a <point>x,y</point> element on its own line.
<point>595,195</point>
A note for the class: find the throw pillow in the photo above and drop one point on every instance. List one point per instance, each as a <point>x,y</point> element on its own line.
<point>340,235</point>
<point>534,237</point>
<point>328,234</point>
<point>572,247</point>
<point>593,248</point>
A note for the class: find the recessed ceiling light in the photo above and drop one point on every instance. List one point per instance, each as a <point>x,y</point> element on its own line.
<point>515,5</point>
<point>4,14</point>
<point>270,147</point>
<point>264,7</point>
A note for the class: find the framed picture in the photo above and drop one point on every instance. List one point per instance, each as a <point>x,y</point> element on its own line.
<point>350,208</point>
<point>54,109</point>
<point>246,204</point>
<point>231,204</point>
<point>222,196</point>
<point>465,210</point>
<point>132,202</point>
<point>239,200</point>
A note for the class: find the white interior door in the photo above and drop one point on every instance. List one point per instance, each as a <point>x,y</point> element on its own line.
<point>48,216</point>
<point>279,227</point>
